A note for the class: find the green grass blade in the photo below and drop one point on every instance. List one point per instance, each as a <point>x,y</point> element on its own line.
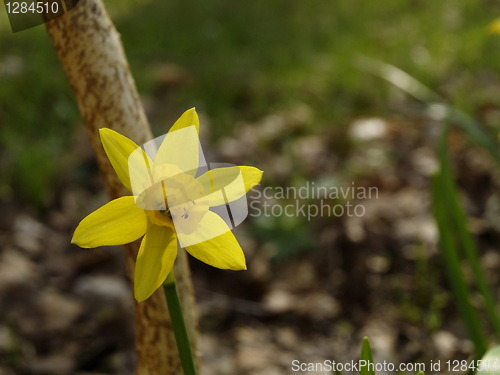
<point>179,326</point>
<point>405,82</point>
<point>457,215</point>
<point>452,264</point>
<point>366,355</point>
<point>398,78</point>
<point>475,132</point>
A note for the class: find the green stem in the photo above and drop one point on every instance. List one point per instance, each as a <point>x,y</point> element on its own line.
<point>457,214</point>
<point>452,265</point>
<point>179,326</point>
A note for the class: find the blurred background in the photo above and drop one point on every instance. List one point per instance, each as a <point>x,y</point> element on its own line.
<point>308,91</point>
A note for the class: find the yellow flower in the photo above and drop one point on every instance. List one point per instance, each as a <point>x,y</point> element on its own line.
<point>169,205</point>
<point>494,26</point>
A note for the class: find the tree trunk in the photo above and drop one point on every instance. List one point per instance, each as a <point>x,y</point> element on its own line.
<point>91,53</point>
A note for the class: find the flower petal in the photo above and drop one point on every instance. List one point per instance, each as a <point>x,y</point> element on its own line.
<point>221,251</point>
<point>154,261</point>
<point>188,118</point>
<point>494,26</point>
<point>180,147</point>
<point>224,185</point>
<point>118,148</point>
<point>116,223</point>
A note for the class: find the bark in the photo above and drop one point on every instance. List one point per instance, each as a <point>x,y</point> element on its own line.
<point>91,53</point>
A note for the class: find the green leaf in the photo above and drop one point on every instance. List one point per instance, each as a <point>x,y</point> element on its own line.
<point>475,132</point>
<point>366,355</point>
<point>434,103</point>
<point>449,250</point>
<point>458,220</point>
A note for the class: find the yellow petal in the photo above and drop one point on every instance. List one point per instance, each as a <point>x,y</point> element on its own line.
<point>181,149</point>
<point>116,223</point>
<point>224,185</point>
<point>154,261</point>
<point>494,26</point>
<point>222,251</point>
<point>140,168</point>
<point>181,144</point>
<point>118,148</point>
<point>188,118</point>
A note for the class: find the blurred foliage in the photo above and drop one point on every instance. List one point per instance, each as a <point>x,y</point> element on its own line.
<point>290,235</point>
<point>242,60</point>
<point>37,113</point>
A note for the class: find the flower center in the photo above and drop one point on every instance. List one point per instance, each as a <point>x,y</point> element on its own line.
<point>175,201</point>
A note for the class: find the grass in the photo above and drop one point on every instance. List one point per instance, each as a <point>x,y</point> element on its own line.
<point>449,250</point>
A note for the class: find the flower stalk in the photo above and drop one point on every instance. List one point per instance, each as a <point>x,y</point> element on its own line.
<point>179,326</point>
<point>86,41</point>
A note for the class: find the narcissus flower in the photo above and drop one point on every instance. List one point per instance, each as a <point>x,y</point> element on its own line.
<point>173,202</point>
<point>494,26</point>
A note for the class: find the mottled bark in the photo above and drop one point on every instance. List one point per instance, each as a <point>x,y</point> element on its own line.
<point>91,53</point>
